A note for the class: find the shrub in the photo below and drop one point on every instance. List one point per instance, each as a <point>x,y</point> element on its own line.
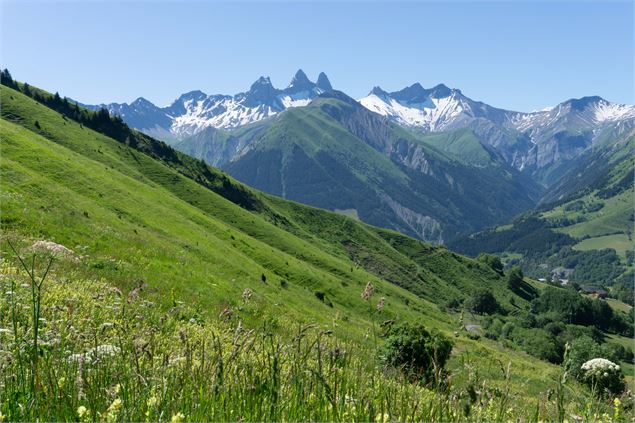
<point>419,354</point>
<point>483,302</point>
<point>494,262</point>
<point>543,345</point>
<point>603,376</point>
<point>580,351</point>
<point>453,303</point>
<point>515,278</point>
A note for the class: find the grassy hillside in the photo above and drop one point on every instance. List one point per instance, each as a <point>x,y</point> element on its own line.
<point>146,221</point>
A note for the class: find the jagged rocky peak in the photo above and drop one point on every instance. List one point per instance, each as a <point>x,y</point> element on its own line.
<point>195,95</point>
<point>300,82</point>
<point>441,91</point>
<point>260,91</point>
<point>584,102</point>
<point>323,82</point>
<point>412,94</point>
<point>378,92</point>
<point>142,102</point>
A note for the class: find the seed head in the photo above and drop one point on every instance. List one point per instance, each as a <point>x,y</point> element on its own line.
<point>368,291</point>
<point>247,294</point>
<point>381,303</point>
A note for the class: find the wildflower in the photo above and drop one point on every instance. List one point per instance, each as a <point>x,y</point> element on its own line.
<point>617,402</point>
<point>382,418</point>
<point>178,418</point>
<point>113,410</point>
<point>599,367</point>
<point>226,313</point>
<point>2,417</point>
<point>368,291</point>
<point>52,249</point>
<point>247,294</point>
<point>381,303</point>
<point>116,405</point>
<point>81,412</point>
<point>152,401</point>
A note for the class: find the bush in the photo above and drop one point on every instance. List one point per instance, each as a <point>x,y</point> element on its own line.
<point>419,354</point>
<point>543,345</point>
<point>603,376</point>
<point>492,261</point>
<point>483,302</point>
<point>584,349</point>
<point>515,279</point>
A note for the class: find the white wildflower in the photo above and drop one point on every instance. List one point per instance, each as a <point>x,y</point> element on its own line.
<point>599,367</point>
<point>51,248</point>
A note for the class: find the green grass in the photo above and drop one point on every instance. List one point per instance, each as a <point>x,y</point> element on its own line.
<point>618,305</point>
<point>612,218</point>
<point>619,242</point>
<point>139,222</point>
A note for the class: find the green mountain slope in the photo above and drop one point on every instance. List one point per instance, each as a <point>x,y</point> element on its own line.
<point>337,155</point>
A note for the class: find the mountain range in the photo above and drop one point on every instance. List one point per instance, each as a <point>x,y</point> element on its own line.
<point>194,111</point>
<point>420,161</point>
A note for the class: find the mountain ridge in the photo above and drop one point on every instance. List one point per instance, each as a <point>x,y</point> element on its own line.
<point>194,111</point>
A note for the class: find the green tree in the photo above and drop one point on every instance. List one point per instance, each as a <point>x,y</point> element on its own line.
<point>515,278</point>
<point>483,302</point>
<point>419,354</point>
<point>492,261</point>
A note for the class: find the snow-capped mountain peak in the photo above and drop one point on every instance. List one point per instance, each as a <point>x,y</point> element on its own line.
<point>431,109</point>
<point>194,111</point>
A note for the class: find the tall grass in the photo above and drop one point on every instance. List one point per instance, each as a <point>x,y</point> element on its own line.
<point>81,350</point>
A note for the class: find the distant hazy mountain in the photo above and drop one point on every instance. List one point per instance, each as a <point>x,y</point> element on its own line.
<point>194,111</point>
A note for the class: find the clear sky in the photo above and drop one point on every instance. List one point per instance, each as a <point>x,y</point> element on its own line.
<point>517,55</point>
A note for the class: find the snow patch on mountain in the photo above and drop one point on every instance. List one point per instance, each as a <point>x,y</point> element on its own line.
<point>194,111</point>
<point>432,114</point>
<point>605,111</point>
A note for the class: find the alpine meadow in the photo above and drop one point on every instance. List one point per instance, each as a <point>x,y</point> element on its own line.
<point>323,251</point>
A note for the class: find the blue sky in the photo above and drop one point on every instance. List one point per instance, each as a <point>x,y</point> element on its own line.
<point>511,54</point>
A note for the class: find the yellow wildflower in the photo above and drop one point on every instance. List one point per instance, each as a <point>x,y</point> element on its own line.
<point>81,411</point>
<point>178,418</point>
<point>152,401</point>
